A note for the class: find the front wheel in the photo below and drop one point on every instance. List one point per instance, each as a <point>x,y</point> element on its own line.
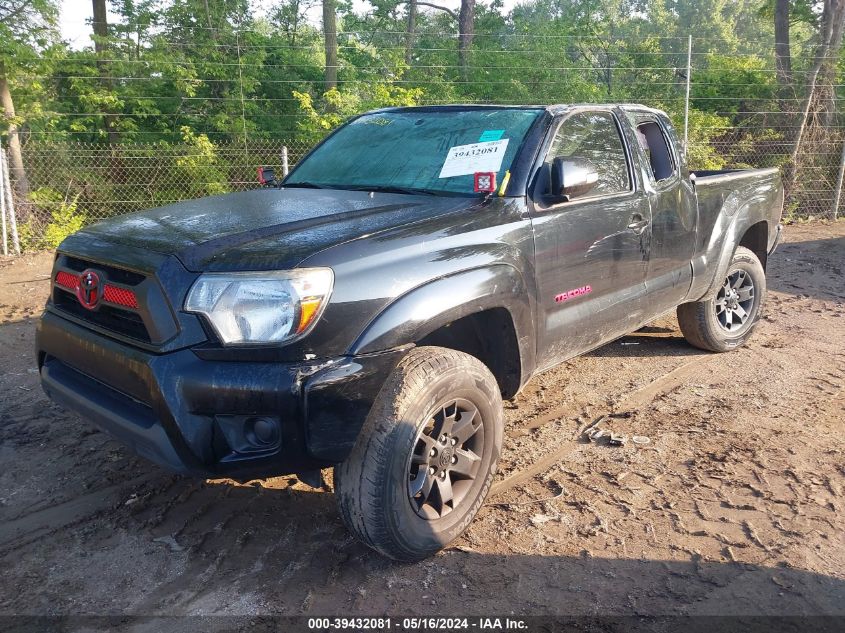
<point>725,320</point>
<point>425,459</point>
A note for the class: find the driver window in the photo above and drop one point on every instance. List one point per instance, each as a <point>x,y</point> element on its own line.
<point>593,136</point>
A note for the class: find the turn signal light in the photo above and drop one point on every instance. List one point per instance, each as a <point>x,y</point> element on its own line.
<point>307,311</point>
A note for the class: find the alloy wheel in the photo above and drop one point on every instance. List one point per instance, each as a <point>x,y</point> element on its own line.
<point>735,300</point>
<point>446,459</point>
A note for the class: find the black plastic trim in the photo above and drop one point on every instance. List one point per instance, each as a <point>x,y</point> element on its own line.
<point>132,422</point>
<point>172,408</point>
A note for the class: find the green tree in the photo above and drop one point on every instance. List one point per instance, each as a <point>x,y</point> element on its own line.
<point>26,27</point>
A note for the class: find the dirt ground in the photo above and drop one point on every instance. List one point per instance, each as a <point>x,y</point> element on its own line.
<point>735,506</point>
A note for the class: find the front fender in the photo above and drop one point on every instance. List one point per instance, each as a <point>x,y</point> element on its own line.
<point>429,307</point>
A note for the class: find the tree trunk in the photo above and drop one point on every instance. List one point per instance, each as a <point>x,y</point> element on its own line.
<point>819,96</point>
<point>783,55</point>
<point>466,29</point>
<point>330,34</point>
<point>100,26</point>
<point>208,16</point>
<point>295,25</point>
<point>17,171</point>
<point>411,31</point>
<point>834,13</point>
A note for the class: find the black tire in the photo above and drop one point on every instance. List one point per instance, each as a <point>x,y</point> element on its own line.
<point>723,322</point>
<point>374,485</point>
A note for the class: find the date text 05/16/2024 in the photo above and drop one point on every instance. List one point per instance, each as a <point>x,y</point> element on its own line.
<point>418,624</point>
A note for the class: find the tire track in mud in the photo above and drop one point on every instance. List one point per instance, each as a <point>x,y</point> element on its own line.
<point>630,402</point>
<point>232,544</point>
<point>40,523</point>
<point>196,523</point>
<point>640,397</point>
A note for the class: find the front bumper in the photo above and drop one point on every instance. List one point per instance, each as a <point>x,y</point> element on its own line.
<point>199,417</point>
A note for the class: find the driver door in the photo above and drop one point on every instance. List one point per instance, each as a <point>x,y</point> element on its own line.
<point>591,251</point>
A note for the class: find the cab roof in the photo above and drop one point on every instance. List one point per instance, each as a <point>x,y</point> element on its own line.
<point>553,109</point>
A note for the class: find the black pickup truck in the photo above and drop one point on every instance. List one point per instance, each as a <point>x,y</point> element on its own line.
<point>370,312</point>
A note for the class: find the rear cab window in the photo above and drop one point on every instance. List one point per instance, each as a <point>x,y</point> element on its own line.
<point>659,160</point>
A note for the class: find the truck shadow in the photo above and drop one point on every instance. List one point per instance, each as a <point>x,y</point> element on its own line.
<point>152,543</point>
<point>269,548</point>
<point>651,340</point>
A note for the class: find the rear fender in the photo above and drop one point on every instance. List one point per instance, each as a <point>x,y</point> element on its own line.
<point>429,307</point>
<point>711,267</point>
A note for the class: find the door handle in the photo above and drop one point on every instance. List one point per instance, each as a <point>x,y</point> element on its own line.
<point>638,224</point>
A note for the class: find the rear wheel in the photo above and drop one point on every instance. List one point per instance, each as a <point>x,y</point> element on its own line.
<point>425,459</point>
<point>725,320</point>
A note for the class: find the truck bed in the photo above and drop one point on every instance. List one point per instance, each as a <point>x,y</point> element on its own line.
<point>729,189</point>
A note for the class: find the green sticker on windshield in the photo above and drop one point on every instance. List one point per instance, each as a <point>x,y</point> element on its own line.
<point>491,135</point>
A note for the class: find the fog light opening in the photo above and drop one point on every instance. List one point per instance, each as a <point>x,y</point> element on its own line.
<point>262,432</point>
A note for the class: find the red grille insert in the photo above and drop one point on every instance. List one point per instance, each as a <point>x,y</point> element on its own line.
<point>112,294</point>
<point>66,280</point>
<point>120,296</point>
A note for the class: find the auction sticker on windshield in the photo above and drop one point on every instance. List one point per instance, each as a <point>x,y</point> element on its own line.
<point>463,160</point>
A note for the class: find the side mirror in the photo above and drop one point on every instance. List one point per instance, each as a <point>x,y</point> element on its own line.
<point>572,177</point>
<point>266,177</point>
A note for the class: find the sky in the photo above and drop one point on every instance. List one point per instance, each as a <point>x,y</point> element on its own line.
<point>76,15</point>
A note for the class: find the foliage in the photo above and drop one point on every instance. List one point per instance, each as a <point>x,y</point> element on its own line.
<point>65,219</point>
<point>701,154</point>
<point>27,38</point>
<point>225,72</point>
<point>190,82</point>
<point>199,168</point>
<point>338,106</point>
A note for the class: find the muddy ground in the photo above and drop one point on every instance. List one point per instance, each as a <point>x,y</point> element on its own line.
<point>736,506</point>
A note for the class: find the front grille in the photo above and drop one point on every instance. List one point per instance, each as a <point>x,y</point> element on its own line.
<point>124,316</point>
<point>126,322</point>
<point>117,275</point>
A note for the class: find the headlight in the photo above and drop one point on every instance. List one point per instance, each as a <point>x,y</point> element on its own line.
<point>261,307</point>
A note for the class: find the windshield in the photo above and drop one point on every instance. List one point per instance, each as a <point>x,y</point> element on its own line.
<point>434,151</point>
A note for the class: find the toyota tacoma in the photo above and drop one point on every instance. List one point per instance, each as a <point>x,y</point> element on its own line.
<point>369,312</point>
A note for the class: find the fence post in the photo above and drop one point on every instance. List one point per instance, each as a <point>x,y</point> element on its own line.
<point>686,101</point>
<point>285,161</point>
<point>10,201</point>
<point>837,194</point>
<point>241,89</point>
<point>3,211</point>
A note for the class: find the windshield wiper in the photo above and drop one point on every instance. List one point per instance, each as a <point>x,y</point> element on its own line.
<point>304,184</point>
<point>391,189</point>
<point>413,191</point>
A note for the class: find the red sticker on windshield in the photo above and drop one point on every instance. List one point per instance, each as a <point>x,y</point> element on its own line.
<point>485,181</point>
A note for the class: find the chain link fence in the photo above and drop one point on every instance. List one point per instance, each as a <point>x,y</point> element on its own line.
<point>85,182</point>
<point>730,126</point>
<point>810,187</point>
<point>91,182</point>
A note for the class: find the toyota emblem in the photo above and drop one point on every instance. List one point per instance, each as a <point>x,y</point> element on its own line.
<point>89,290</point>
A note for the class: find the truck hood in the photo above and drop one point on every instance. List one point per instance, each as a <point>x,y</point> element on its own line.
<point>266,229</point>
